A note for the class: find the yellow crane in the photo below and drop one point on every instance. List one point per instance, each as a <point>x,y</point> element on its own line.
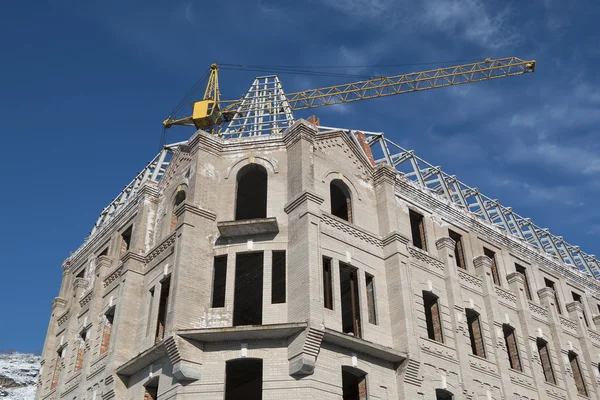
<point>211,111</point>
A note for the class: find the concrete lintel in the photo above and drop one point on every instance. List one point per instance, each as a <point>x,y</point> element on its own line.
<point>248,227</point>
<point>363,346</point>
<point>251,332</point>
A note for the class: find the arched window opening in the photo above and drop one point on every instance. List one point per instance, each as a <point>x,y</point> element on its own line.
<point>179,198</point>
<point>243,379</point>
<point>251,199</point>
<point>354,384</point>
<point>341,203</point>
<point>443,394</point>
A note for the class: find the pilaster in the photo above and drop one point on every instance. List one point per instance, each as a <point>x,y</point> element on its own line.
<point>575,311</point>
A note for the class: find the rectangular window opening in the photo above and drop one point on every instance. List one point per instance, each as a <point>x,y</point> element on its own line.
<point>546,361</point>
<point>219,281</point>
<point>417,228</point>
<point>354,384</point>
<point>278,280</point>
<point>126,240</point>
<point>523,271</point>
<point>433,316</point>
<point>81,274</point>
<point>577,298</point>
<point>248,296</point>
<point>163,304</point>
<point>150,308</point>
<point>512,349</point>
<point>109,317</point>
<point>577,374</point>
<point>550,284</point>
<point>475,333</point>
<point>81,350</point>
<point>495,274</point>
<point>243,379</point>
<point>370,283</point>
<point>327,284</point>
<point>151,390</point>
<point>459,253</point>
<point>57,368</point>
<point>350,300</point>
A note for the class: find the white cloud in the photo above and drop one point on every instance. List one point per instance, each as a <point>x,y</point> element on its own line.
<point>189,12</point>
<point>362,8</point>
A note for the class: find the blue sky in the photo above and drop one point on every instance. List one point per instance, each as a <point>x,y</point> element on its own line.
<point>85,86</point>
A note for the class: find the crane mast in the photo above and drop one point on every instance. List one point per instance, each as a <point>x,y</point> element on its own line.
<point>211,111</point>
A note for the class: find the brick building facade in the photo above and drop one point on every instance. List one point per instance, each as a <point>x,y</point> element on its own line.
<point>291,267</point>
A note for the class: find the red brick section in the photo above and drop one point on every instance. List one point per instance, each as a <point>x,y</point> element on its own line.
<point>511,348</point>
<point>577,375</point>
<point>362,388</point>
<point>492,255</point>
<point>520,269</point>
<point>362,139</point>
<point>56,373</point>
<point>437,322</point>
<point>459,254</point>
<point>173,222</point>
<point>546,361</point>
<point>313,119</point>
<point>80,357</point>
<point>474,323</point>
<point>124,246</point>
<point>105,343</point>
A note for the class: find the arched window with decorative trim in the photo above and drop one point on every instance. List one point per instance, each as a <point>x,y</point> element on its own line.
<point>341,201</point>
<point>251,193</point>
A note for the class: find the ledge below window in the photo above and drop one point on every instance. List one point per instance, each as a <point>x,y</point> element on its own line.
<point>248,227</point>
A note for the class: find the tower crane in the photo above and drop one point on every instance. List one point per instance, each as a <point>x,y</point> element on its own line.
<point>210,112</point>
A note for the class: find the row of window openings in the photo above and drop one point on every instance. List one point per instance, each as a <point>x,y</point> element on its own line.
<point>435,332</point>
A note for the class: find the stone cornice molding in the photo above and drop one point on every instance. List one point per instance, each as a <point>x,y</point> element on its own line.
<point>301,198</point>
<point>394,236</point>
<point>149,189</point>
<point>80,283</point>
<point>159,248</point>
<point>58,302</point>
<point>515,277</point>
<point>201,212</point>
<point>575,306</point>
<point>300,130</point>
<point>130,255</point>
<point>546,293</point>
<point>66,264</point>
<point>384,174</point>
<point>445,242</point>
<point>482,261</point>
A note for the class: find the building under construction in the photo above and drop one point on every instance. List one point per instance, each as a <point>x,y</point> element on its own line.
<point>274,258</point>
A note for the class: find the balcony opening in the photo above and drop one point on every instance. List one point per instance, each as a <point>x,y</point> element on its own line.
<point>417,228</point>
<point>350,301</point>
<point>248,297</point>
<point>433,318</point>
<point>278,281</point>
<point>442,394</point>
<point>219,281</point>
<point>354,384</point>
<point>341,202</point>
<point>243,379</point>
<point>126,240</point>
<point>251,197</point>
<point>327,284</point>
<point>512,347</point>
<point>163,306</point>
<point>475,333</point>
<point>546,361</point>
<point>459,252</point>
<point>495,274</point>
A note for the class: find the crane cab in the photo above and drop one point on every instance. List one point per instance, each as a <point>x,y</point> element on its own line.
<point>206,114</point>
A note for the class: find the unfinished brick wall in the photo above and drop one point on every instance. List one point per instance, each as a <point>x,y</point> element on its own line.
<point>106,332</point>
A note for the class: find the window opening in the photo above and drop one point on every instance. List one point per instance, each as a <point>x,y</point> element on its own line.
<point>126,240</point>
<point>370,284</point>
<point>243,379</point>
<point>248,297</point>
<point>577,298</point>
<point>459,254</point>
<point>495,274</point>
<point>475,333</point>
<point>550,284</point>
<point>442,394</point>
<point>107,330</point>
<point>432,316</point>
<point>327,284</point>
<point>57,369</point>
<point>546,361</point>
<point>163,305</point>
<point>278,281</point>
<point>417,228</point>
<point>350,301</point>
<point>219,281</point>
<point>251,198</point>
<point>341,202</point>
<point>523,271</point>
<point>354,384</point>
<point>179,198</point>
<point>81,350</point>
<point>151,390</point>
<point>512,350</point>
<point>150,309</point>
<point>577,374</point>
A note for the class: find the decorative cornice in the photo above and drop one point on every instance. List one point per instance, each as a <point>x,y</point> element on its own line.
<point>86,298</point>
<point>300,130</point>
<point>384,173</point>
<point>546,293</point>
<point>187,207</point>
<point>58,302</point>
<point>394,236</point>
<point>515,277</point>
<point>482,261</point>
<point>445,242</point>
<point>164,245</point>
<point>575,306</point>
<point>301,198</point>
<point>66,264</point>
<point>133,256</point>
<point>113,276</point>
<point>425,257</point>
<point>352,230</point>
<point>80,283</point>
<point>64,317</point>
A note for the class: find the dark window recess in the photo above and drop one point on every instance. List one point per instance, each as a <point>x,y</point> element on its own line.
<point>81,274</point>
<point>418,230</point>
<point>442,394</point>
<point>512,348</point>
<point>577,374</point>
<point>475,333</point>
<point>370,283</point>
<point>550,284</point>
<point>459,253</point>
<point>598,306</point>
<point>433,316</point>
<point>248,297</point>
<point>57,368</point>
<point>243,379</point>
<point>546,361</point>
<point>341,203</point>
<point>219,280</point>
<point>577,298</point>
<point>495,274</point>
<point>350,302</point>
<point>523,271</point>
<point>354,384</point>
<point>179,198</point>
<point>126,240</point>
<point>163,305</point>
<point>251,199</point>
<point>278,281</point>
<point>151,390</point>
<point>104,252</point>
<point>327,281</point>
<point>107,330</point>
<point>150,308</point>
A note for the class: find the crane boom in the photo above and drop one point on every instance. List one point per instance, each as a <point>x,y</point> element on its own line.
<point>212,111</point>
